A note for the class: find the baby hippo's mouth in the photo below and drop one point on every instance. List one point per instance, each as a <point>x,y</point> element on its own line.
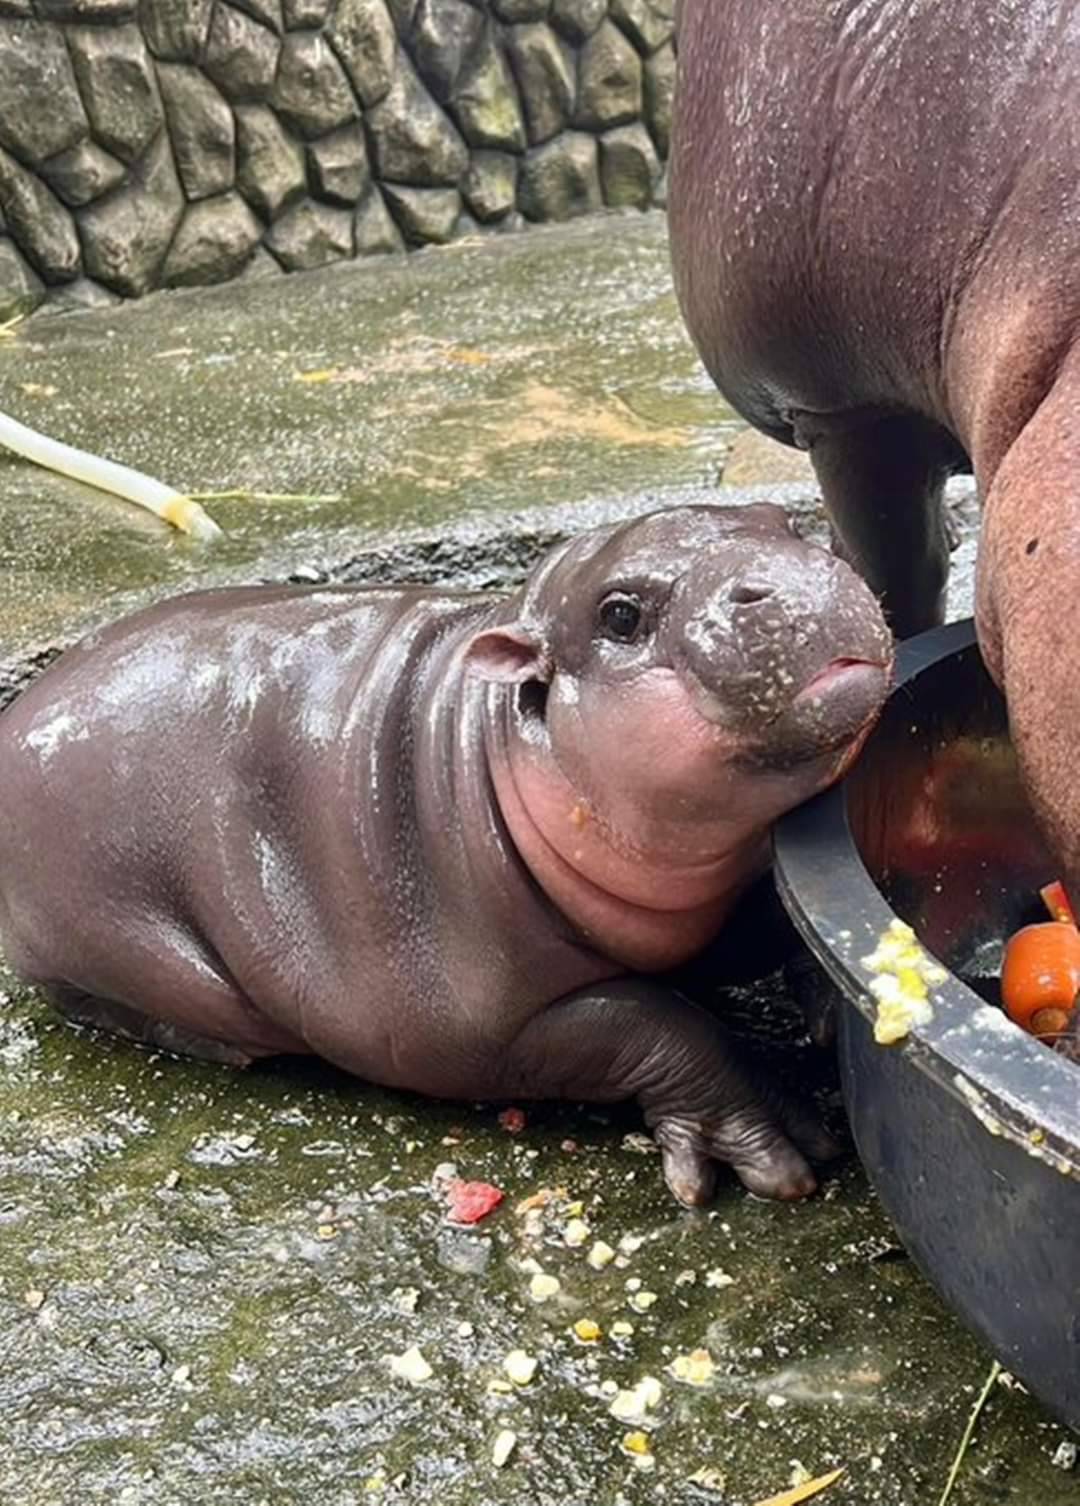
<point>840,677</point>
<point>831,715</point>
<point>834,709</point>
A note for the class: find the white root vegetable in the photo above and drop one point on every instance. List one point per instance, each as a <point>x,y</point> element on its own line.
<point>119,480</point>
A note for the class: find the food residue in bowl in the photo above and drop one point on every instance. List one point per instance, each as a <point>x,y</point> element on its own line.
<point>903,976</point>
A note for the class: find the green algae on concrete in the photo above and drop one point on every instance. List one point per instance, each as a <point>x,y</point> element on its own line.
<point>207,1272</point>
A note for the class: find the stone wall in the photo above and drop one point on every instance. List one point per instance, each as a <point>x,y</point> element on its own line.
<point>163,143</point>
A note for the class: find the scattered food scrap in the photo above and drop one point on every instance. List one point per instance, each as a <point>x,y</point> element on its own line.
<point>600,1255</point>
<point>576,1232</point>
<point>632,1405</point>
<point>411,1366</point>
<point>542,1286</point>
<point>904,975</point>
<point>325,374</point>
<point>587,1331</point>
<point>512,1120</point>
<point>805,1492</point>
<point>540,1199</point>
<point>469,1202</point>
<point>696,1368</point>
<point>504,1446</point>
<point>1065,1456</point>
<point>638,1447</point>
<point>462,356</point>
<point>520,1367</point>
<point>712,1480</point>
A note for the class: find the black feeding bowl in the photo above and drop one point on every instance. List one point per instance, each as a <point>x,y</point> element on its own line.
<point>969,1129</point>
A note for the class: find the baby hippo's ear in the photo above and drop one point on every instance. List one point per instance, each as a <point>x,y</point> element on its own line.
<point>509,654</point>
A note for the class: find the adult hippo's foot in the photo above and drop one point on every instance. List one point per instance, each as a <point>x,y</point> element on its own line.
<point>635,1039</point>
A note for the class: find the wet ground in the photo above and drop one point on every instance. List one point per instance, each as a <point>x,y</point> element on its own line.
<point>207,1274</point>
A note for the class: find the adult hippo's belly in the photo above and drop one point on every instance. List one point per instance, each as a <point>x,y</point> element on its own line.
<point>442,840</point>
<point>875,230</point>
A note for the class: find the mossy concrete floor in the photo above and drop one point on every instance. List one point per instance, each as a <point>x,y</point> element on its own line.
<point>206,1272</point>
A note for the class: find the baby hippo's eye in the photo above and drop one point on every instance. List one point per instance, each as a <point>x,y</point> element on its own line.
<point>621,618</point>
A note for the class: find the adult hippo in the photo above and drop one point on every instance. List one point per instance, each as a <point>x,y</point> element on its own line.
<point>875,226</point>
<point>440,838</point>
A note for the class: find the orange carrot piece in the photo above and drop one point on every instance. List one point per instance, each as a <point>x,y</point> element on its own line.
<point>1041,971</point>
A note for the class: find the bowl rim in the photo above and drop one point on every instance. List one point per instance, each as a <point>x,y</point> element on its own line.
<point>1018,1089</point>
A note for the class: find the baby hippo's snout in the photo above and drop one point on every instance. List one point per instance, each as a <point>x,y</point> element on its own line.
<point>789,649</point>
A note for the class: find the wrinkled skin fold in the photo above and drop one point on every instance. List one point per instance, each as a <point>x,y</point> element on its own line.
<point>442,840</point>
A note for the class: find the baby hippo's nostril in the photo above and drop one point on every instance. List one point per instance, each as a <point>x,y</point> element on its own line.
<point>749,593</point>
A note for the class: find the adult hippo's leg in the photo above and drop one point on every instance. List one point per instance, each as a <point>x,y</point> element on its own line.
<point>882,478</point>
<point>636,1039</point>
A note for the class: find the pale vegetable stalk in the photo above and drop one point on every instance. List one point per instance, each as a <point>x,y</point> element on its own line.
<point>119,480</point>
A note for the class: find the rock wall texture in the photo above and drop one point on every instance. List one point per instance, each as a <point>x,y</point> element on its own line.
<point>163,143</point>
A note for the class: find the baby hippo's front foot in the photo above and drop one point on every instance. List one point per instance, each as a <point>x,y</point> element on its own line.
<point>767,1144</point>
<point>635,1039</point>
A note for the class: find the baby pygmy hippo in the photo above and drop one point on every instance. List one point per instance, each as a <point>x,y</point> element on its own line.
<point>442,839</point>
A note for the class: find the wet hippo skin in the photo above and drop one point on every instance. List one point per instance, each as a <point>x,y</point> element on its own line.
<point>442,839</point>
<point>875,231</point>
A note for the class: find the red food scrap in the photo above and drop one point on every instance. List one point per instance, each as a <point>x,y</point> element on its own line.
<point>1057,902</point>
<point>512,1120</point>
<point>469,1202</point>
